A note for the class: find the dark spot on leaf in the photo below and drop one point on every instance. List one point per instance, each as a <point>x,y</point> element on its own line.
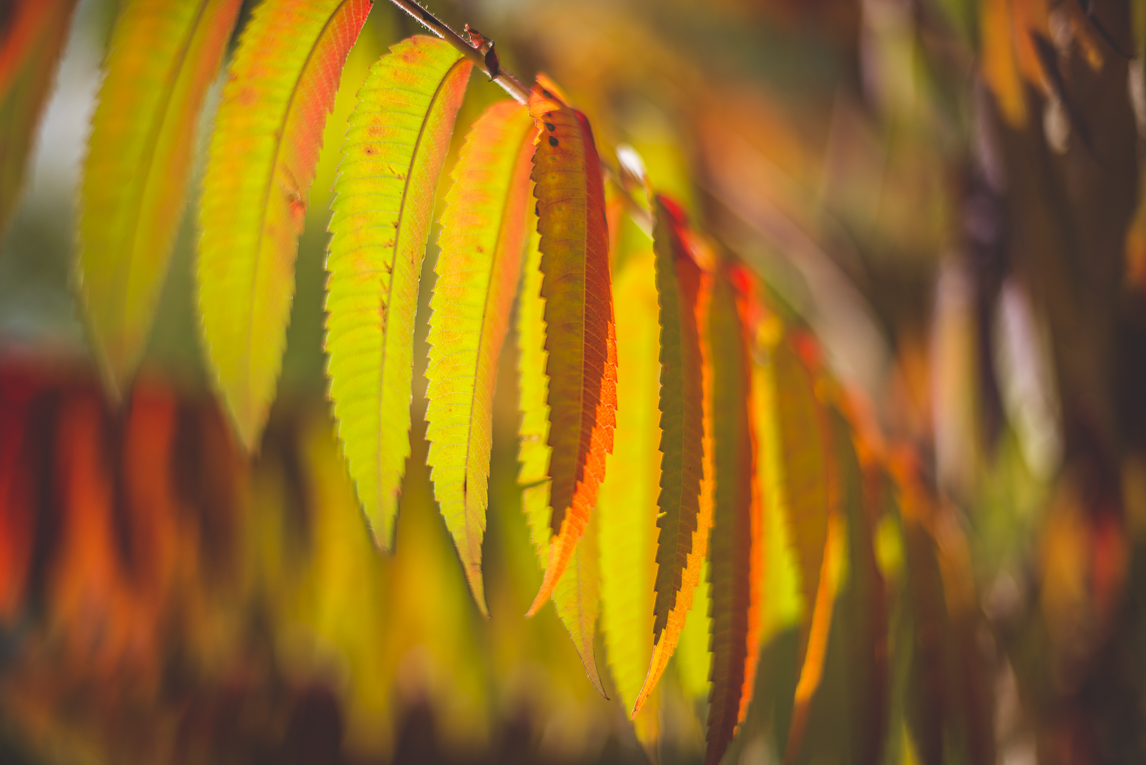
<point>537,209</point>
<point>552,141</point>
<point>369,149</point>
<point>550,126</point>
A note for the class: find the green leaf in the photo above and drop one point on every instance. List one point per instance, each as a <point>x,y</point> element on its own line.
<point>395,148</point>
<point>33,38</point>
<point>263,154</point>
<point>164,56</point>
<point>626,511</point>
<point>484,232</point>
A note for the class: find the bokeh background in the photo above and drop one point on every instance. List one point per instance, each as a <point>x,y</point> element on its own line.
<point>947,190</point>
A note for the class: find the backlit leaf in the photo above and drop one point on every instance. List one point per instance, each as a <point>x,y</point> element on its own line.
<point>576,596</point>
<point>685,499</point>
<point>580,340</point>
<point>735,537</point>
<point>864,605</point>
<point>30,47</point>
<point>797,477</point>
<point>163,56</point>
<point>393,155</point>
<point>268,132</point>
<point>812,659</point>
<point>627,506</point>
<point>484,231</point>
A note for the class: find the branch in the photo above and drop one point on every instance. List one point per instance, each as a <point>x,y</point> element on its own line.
<point>507,81</point>
<point>482,56</point>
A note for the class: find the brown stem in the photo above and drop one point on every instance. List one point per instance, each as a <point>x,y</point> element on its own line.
<point>513,87</point>
<point>507,81</point>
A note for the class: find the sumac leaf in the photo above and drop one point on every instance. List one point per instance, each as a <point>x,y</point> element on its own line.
<point>580,339</point>
<point>262,159</point>
<point>164,54</point>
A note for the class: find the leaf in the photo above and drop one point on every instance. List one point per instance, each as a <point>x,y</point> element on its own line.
<point>395,148</point>
<point>627,506</point>
<point>23,461</point>
<point>735,537</point>
<point>1007,54</point>
<point>797,477</point>
<point>576,595</point>
<point>164,54</point>
<point>864,605</point>
<point>685,501</point>
<point>803,480</point>
<point>262,158</point>
<point>484,231</point>
<point>30,48</point>
<point>580,339</point>
<point>812,659</point>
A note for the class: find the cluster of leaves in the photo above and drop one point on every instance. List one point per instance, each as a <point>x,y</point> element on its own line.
<point>670,526</point>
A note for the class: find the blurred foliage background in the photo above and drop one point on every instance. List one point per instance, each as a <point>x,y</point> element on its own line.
<point>947,190</point>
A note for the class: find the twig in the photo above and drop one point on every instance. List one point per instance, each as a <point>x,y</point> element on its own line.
<point>513,86</point>
<point>507,81</point>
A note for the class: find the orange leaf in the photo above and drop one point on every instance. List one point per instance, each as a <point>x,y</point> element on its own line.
<point>580,339</point>
<point>685,500</point>
<point>734,544</point>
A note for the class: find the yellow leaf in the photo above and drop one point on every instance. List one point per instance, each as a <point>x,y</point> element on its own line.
<point>164,55</point>
<point>484,232</point>
<point>263,154</point>
<point>393,155</point>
